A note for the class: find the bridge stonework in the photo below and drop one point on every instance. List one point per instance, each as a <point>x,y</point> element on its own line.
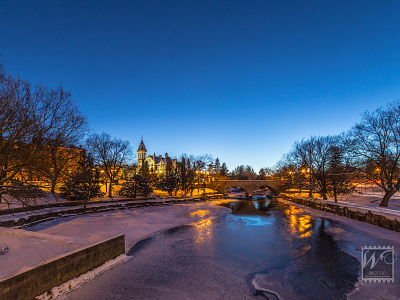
<point>250,185</point>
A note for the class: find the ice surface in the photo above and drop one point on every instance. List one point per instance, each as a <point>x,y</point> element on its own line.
<point>351,235</point>
<point>36,245</point>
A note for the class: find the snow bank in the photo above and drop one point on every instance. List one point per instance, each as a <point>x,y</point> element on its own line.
<point>76,282</point>
<point>30,249</point>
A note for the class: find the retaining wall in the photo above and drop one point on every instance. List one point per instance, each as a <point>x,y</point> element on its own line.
<point>351,213</point>
<point>36,281</point>
<point>63,204</point>
<point>34,219</point>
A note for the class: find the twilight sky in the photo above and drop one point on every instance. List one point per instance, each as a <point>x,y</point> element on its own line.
<point>241,80</point>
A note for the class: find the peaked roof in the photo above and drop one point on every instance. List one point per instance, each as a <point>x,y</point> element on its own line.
<point>142,147</point>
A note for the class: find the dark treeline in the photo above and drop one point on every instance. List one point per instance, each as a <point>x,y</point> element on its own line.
<point>369,151</point>
<point>245,172</point>
<point>189,173</point>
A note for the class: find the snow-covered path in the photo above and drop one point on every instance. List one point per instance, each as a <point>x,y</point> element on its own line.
<point>373,207</point>
<point>365,203</point>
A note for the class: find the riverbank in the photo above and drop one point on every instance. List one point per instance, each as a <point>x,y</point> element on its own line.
<point>18,218</point>
<point>351,235</point>
<point>364,202</point>
<point>49,200</point>
<point>367,211</point>
<point>38,244</point>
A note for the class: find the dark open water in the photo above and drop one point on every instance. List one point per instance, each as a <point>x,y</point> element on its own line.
<point>260,247</point>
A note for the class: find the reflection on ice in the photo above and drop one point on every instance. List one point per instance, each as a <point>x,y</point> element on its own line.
<point>255,220</point>
<point>261,204</point>
<point>305,262</point>
<point>200,213</point>
<point>203,230</point>
<point>300,224</point>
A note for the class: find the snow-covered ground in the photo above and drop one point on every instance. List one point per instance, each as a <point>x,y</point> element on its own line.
<point>364,202</point>
<point>48,198</point>
<point>38,244</point>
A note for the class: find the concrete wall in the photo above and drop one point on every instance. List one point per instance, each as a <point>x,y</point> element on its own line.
<point>36,281</point>
<point>31,220</point>
<point>351,213</point>
<point>63,204</point>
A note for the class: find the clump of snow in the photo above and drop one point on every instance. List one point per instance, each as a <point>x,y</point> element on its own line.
<point>271,282</point>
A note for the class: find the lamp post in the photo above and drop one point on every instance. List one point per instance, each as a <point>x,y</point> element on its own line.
<point>134,187</point>
<point>103,178</point>
<point>377,173</point>
<point>290,175</point>
<point>198,181</point>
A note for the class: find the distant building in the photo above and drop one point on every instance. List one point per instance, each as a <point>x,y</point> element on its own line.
<point>156,163</point>
<point>45,155</point>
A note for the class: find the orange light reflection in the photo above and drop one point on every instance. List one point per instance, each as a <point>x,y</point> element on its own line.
<point>203,230</point>
<point>200,213</point>
<point>300,225</point>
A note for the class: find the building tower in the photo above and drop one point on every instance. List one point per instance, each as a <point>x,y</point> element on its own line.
<point>141,154</point>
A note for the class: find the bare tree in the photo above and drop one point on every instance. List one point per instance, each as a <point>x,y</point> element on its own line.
<point>338,167</point>
<point>110,154</point>
<point>375,147</point>
<point>60,154</point>
<point>265,173</point>
<point>195,170</point>
<point>316,162</point>
<point>27,115</point>
<point>283,170</point>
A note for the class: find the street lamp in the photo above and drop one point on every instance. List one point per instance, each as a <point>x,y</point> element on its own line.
<point>377,171</point>
<point>198,181</point>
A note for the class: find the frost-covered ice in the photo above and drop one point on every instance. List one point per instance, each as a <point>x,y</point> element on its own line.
<point>351,236</point>
<point>36,245</point>
<point>135,224</point>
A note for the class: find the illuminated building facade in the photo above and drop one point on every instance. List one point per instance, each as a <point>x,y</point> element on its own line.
<point>155,163</point>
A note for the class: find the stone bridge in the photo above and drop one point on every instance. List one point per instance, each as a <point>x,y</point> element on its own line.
<point>250,185</point>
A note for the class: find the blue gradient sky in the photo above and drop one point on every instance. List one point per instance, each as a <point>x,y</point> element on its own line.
<point>241,80</point>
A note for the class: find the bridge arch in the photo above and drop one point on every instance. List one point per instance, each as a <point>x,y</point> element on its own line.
<point>250,185</point>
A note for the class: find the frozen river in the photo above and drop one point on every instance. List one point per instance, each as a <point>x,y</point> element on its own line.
<point>260,249</point>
